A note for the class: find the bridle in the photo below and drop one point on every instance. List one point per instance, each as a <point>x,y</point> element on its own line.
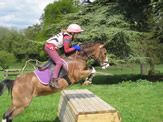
<point>104,64</point>
<point>100,55</point>
<point>99,58</point>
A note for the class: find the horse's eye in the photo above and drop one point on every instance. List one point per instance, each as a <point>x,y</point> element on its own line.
<point>104,53</point>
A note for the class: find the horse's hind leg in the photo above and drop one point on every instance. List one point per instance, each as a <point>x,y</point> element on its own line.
<point>18,105</point>
<point>7,114</point>
<point>16,112</point>
<point>13,112</point>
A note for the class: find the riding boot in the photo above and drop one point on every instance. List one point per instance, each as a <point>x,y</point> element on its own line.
<point>54,83</point>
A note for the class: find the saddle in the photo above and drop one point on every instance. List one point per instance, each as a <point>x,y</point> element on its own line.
<point>45,72</point>
<point>51,64</point>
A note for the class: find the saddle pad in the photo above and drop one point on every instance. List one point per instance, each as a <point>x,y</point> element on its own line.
<point>43,76</point>
<point>46,75</point>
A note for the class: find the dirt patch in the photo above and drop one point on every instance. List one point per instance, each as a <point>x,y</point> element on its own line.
<point>104,73</point>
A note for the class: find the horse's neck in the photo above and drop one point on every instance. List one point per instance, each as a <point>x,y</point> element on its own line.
<point>83,54</point>
<point>88,52</point>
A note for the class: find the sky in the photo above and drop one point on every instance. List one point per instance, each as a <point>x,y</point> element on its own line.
<point>21,13</point>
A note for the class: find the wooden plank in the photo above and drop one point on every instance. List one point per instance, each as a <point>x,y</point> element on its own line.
<point>82,98</point>
<point>73,102</point>
<point>13,74</point>
<point>62,110</point>
<point>65,111</point>
<point>103,103</point>
<point>6,75</point>
<point>70,113</point>
<point>96,104</point>
<point>12,70</point>
<point>86,100</point>
<point>100,117</point>
<point>66,118</point>
<point>76,103</point>
<point>99,102</point>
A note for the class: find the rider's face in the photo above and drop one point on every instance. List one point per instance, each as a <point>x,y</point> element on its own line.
<point>75,35</point>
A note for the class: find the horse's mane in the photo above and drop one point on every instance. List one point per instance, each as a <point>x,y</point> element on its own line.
<point>85,47</point>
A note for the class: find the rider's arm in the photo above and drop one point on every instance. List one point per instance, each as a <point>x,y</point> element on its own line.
<point>66,41</point>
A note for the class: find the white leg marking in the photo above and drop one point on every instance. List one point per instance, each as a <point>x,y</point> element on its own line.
<point>4,120</point>
<point>93,70</point>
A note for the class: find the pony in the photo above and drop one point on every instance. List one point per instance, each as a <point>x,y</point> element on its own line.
<point>27,86</point>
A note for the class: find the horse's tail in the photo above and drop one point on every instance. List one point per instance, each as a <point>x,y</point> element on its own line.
<point>6,83</point>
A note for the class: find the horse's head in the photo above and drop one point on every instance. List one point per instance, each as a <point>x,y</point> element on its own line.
<point>97,51</point>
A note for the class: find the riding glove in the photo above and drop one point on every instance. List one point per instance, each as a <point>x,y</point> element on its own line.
<point>76,47</point>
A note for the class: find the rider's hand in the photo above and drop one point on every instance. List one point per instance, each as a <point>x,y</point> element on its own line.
<point>76,47</point>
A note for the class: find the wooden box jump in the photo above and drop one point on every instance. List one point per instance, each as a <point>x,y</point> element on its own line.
<point>84,106</point>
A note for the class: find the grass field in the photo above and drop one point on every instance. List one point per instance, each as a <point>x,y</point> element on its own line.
<point>137,99</point>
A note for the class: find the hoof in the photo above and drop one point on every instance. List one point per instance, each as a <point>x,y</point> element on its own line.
<point>86,83</point>
<point>4,120</point>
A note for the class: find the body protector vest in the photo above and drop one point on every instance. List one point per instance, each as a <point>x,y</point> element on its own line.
<point>57,40</point>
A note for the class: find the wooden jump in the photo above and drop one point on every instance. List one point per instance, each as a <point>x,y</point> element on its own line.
<point>11,72</point>
<point>84,106</point>
<point>18,72</point>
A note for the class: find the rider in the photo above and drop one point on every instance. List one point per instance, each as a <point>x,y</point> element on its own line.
<point>54,43</point>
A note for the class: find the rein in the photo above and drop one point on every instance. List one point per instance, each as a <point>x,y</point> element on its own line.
<point>86,55</point>
<point>74,63</point>
<point>99,56</point>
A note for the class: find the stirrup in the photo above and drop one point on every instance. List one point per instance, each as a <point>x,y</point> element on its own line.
<point>53,83</point>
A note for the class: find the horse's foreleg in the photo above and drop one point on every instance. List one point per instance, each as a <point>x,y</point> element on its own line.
<point>89,79</point>
<point>86,73</point>
<point>83,74</point>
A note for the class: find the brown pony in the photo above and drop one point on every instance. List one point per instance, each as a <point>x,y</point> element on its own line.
<point>27,86</point>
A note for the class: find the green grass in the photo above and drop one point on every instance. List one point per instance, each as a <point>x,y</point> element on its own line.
<point>133,69</point>
<point>138,101</point>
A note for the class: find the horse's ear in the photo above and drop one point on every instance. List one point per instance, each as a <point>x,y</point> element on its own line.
<point>104,44</point>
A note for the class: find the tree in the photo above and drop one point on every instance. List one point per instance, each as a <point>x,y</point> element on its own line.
<point>145,19</point>
<point>14,41</point>
<point>32,31</point>
<point>127,26</point>
<point>6,59</point>
<point>54,12</point>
